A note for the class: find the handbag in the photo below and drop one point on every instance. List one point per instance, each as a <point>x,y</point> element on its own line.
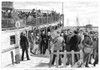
<point>87,49</point>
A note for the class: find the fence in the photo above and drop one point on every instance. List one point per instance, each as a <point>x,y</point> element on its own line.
<point>65,53</point>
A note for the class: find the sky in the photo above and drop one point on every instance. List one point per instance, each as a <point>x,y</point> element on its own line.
<point>39,5</point>
<point>86,11</point>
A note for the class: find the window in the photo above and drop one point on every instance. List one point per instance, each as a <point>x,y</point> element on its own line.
<point>12,39</point>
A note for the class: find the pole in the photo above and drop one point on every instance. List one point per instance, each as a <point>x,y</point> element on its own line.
<point>36,16</point>
<point>47,22</point>
<point>63,16</point>
<point>62,8</point>
<point>35,23</point>
<point>12,57</point>
<point>67,21</point>
<point>51,22</point>
<point>17,50</point>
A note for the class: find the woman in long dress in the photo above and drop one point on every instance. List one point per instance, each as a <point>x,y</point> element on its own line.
<point>36,45</point>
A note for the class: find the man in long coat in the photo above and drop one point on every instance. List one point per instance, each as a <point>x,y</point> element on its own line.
<point>74,41</point>
<point>43,43</point>
<point>24,46</point>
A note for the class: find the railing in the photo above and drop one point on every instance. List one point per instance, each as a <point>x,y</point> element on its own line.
<point>65,53</point>
<point>9,23</point>
<point>42,20</point>
<point>9,49</point>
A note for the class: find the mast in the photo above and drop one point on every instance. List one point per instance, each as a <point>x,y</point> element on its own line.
<point>77,22</point>
<point>67,21</point>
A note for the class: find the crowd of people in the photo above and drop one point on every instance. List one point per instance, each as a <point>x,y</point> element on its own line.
<point>37,40</point>
<point>66,40</point>
<point>78,40</point>
<point>8,13</point>
<point>42,17</point>
<point>38,13</point>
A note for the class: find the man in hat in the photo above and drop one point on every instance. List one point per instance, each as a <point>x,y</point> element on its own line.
<point>74,42</point>
<point>48,42</point>
<point>67,38</point>
<point>43,43</point>
<point>24,46</point>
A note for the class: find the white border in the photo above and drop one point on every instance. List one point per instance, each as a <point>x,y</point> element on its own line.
<point>47,68</point>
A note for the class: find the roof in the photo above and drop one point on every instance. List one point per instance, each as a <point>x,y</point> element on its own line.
<point>7,5</point>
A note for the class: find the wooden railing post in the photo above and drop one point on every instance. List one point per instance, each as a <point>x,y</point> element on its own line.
<point>72,52</point>
<point>57,59</point>
<point>81,55</point>
<point>12,57</point>
<point>51,57</point>
<point>64,61</point>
